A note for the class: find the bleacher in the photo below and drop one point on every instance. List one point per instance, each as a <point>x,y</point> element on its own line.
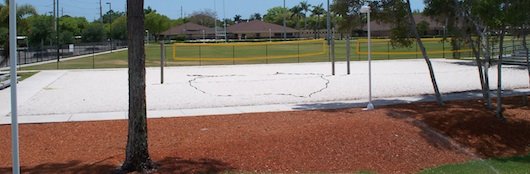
<point>518,57</point>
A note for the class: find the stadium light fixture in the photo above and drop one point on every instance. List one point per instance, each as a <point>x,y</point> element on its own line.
<point>366,9</point>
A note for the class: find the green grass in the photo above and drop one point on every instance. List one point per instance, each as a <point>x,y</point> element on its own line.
<point>513,165</point>
<point>234,55</point>
<point>25,75</point>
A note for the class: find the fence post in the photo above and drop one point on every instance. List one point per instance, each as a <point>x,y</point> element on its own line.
<point>388,50</point>
<point>298,45</point>
<point>266,54</point>
<point>200,56</point>
<point>93,57</point>
<point>443,48</point>
<point>233,54</point>
<point>162,60</point>
<point>416,49</point>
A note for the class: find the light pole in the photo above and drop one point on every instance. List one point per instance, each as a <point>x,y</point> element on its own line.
<point>284,23</point>
<point>13,75</point>
<point>366,9</point>
<point>110,25</point>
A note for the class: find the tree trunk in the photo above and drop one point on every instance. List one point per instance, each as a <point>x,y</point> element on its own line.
<point>136,154</point>
<point>425,56</point>
<point>485,47</point>
<point>526,52</point>
<point>499,111</point>
<point>476,52</point>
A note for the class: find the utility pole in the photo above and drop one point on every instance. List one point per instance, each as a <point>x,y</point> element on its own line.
<point>215,21</point>
<point>284,22</point>
<point>100,12</point>
<point>54,21</point>
<point>57,34</point>
<point>110,25</point>
<point>224,20</point>
<point>330,41</point>
<point>181,12</point>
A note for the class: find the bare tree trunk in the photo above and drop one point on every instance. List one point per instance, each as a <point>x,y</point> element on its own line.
<point>485,48</point>
<point>476,52</point>
<point>425,56</point>
<point>526,52</point>
<point>499,111</point>
<point>136,154</point>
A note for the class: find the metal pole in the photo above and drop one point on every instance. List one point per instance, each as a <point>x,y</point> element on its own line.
<point>200,56</point>
<point>328,21</point>
<point>57,34</point>
<point>13,76</point>
<point>370,105</point>
<point>298,45</point>
<point>284,22</point>
<point>93,57</point>
<point>270,35</point>
<point>266,54</point>
<point>233,54</point>
<point>110,25</point>
<point>162,61</point>
<point>348,52</point>
<point>224,20</point>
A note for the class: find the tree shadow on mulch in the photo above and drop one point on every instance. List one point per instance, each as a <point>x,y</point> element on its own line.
<point>167,165</point>
<point>472,126</point>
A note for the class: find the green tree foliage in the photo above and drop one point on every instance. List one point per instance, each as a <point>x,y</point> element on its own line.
<point>23,11</point>
<point>111,14</point>
<point>348,12</point>
<point>205,18</point>
<point>423,28</point>
<point>256,16</point>
<point>156,23</point>
<point>93,33</point>
<point>119,28</point>
<point>276,15</point>
<point>305,8</point>
<point>40,30</point>
<point>317,12</point>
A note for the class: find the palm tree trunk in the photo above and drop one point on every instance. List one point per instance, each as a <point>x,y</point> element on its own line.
<point>136,154</point>
<point>425,56</point>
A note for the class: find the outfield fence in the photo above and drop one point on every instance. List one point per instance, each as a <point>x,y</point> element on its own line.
<point>28,55</point>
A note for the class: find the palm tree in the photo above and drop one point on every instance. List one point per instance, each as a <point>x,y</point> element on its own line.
<point>296,13</point>
<point>22,12</point>
<point>318,11</point>
<point>237,18</point>
<point>136,152</point>
<point>305,7</point>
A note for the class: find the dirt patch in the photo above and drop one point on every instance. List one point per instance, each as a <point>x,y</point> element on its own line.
<point>394,139</point>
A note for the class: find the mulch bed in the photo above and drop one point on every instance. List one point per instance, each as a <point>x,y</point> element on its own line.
<point>393,139</point>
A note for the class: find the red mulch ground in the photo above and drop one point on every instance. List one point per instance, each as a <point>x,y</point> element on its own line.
<point>393,139</point>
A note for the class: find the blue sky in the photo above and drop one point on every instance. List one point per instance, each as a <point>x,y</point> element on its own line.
<point>171,8</point>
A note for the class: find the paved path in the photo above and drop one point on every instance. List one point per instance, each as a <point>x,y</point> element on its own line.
<point>84,95</point>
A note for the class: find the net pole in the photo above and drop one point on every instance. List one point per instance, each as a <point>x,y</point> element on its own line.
<point>200,56</point>
<point>233,54</point>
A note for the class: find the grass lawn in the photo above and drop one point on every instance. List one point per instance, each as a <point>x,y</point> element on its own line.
<point>258,54</point>
<point>25,75</point>
<point>520,164</point>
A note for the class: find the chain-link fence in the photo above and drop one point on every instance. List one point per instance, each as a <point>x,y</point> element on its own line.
<point>28,55</point>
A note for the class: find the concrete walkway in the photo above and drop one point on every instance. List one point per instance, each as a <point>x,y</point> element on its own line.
<point>89,95</point>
